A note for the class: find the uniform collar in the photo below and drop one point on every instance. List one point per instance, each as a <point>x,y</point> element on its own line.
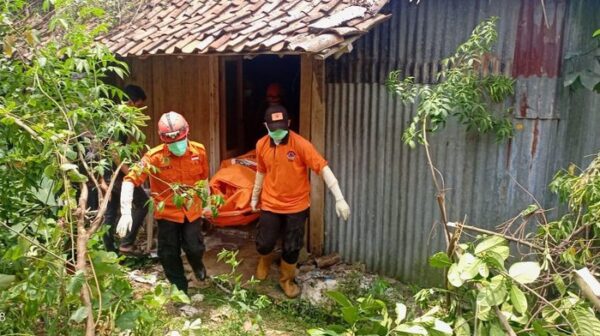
<point>283,141</point>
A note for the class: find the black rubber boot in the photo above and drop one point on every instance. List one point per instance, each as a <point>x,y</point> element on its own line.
<point>200,273</point>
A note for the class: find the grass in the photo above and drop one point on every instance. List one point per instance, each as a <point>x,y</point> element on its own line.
<point>287,317</point>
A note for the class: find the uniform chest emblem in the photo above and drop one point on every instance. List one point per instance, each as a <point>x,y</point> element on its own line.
<point>291,156</point>
<point>195,158</point>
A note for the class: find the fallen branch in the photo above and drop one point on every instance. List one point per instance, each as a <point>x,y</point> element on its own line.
<point>328,260</point>
<point>479,230</point>
<point>221,287</point>
<point>509,330</point>
<point>504,322</point>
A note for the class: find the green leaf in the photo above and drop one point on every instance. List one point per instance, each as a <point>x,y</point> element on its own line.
<point>461,327</point>
<point>596,33</point>
<point>6,280</point>
<point>525,272</point>
<point>75,176</point>
<point>539,329</point>
<point>68,166</point>
<point>442,327</point>
<point>489,243</point>
<point>494,259</point>
<point>518,299</point>
<point>340,298</point>
<point>440,260</point>
<point>79,315</point>
<point>484,313</point>
<point>529,210</point>
<point>584,321</point>
<point>559,283</point>
<point>496,330</point>
<point>49,171</point>
<point>194,325</point>
<point>468,266</point>
<point>492,293</point>
<point>178,200</point>
<point>71,154</point>
<point>179,296</point>
<point>484,270</point>
<point>454,276</point>
<point>400,312</point>
<point>502,250</point>
<point>127,320</point>
<point>350,314</point>
<point>321,332</point>
<point>76,282</point>
<point>411,329</point>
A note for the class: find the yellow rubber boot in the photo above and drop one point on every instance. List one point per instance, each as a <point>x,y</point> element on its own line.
<point>264,264</point>
<point>286,279</point>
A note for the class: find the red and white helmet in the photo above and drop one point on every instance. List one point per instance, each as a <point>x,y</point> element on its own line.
<point>172,127</point>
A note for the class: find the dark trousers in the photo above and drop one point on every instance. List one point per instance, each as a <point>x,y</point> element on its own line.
<point>111,217</point>
<point>172,237</point>
<point>288,227</point>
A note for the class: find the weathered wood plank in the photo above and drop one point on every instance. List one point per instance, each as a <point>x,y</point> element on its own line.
<point>317,137</point>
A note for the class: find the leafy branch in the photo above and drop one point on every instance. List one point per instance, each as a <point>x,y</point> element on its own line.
<point>464,91</point>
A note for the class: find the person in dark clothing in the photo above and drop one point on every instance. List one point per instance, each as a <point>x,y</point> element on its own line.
<point>137,98</point>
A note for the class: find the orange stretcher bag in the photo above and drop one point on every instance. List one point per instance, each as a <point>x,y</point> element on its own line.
<point>234,181</point>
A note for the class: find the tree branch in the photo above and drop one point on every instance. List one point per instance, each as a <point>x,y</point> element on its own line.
<point>38,245</point>
<point>479,230</point>
<point>102,208</point>
<point>26,128</point>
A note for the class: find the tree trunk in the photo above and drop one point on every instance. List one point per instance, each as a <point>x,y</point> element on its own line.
<point>82,239</point>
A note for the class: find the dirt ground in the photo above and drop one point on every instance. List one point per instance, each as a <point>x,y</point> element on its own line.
<point>306,312</point>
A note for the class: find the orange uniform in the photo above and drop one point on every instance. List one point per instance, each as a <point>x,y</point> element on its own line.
<point>184,170</point>
<point>286,188</point>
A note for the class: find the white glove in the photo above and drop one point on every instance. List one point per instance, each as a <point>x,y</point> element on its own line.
<point>125,221</point>
<point>258,182</point>
<point>341,207</point>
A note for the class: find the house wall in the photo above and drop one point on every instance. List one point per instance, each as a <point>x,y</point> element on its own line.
<point>190,85</point>
<point>185,84</point>
<point>393,227</point>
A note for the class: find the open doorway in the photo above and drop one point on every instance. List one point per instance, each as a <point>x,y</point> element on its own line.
<point>243,102</point>
<point>244,98</point>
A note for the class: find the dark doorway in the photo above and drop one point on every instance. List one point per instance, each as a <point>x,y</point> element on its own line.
<point>244,98</point>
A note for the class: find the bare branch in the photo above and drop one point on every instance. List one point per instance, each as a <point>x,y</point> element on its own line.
<point>102,208</point>
<point>516,240</point>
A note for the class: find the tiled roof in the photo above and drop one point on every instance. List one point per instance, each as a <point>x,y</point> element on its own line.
<point>244,26</point>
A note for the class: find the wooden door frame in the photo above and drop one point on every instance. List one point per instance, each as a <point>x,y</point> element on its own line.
<point>312,127</point>
<point>214,80</point>
<point>224,153</point>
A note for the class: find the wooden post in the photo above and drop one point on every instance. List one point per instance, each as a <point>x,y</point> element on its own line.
<point>305,94</point>
<point>215,114</point>
<point>317,137</point>
<point>304,117</point>
<point>149,222</point>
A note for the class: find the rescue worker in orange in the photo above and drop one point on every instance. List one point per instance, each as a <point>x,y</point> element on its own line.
<point>180,161</point>
<point>282,189</point>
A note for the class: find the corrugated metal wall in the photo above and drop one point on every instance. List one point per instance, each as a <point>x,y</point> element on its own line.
<point>388,185</point>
